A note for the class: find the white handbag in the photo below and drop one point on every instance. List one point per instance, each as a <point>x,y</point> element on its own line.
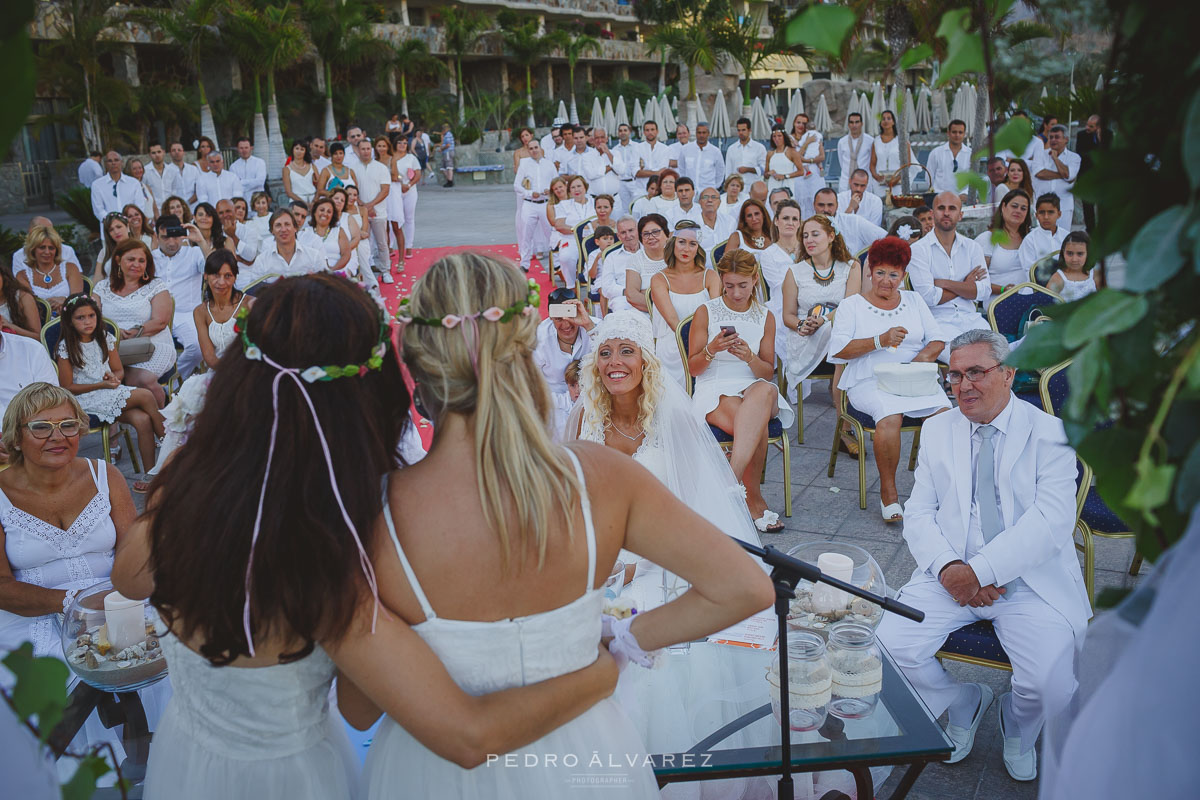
<point>915,379</point>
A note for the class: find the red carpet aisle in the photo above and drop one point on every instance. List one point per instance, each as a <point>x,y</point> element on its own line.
<point>422,260</point>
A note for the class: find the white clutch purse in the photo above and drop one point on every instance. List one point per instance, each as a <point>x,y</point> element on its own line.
<point>915,379</point>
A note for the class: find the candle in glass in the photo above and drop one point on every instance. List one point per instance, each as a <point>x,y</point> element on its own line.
<point>827,599</point>
<point>125,619</point>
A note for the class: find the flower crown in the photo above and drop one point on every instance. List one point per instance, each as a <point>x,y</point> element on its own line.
<point>528,305</point>
<point>312,374</point>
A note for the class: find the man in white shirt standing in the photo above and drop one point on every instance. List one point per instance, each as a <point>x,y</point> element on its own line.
<point>686,206</point>
<point>217,184</point>
<point>627,152</point>
<point>184,176</point>
<point>182,268</point>
<point>682,138</point>
<point>532,183</point>
<point>90,170</point>
<point>653,156</point>
<point>857,200</point>
<point>250,169</point>
<point>316,149</point>
<point>857,232</point>
<point>811,147</point>
<point>374,180</point>
<point>745,158</point>
<point>997,172</point>
<point>554,138</point>
<point>601,166</point>
<point>948,271</point>
<point>704,163</point>
<point>949,159</point>
<point>159,178</point>
<point>577,153</point>
<point>1055,170</point>
<point>989,524</point>
<point>114,191</point>
<point>611,278</point>
<point>853,150</point>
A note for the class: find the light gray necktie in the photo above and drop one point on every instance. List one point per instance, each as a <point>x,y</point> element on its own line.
<point>985,486</point>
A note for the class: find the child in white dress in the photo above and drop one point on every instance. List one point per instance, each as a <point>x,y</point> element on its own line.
<point>1073,280</point>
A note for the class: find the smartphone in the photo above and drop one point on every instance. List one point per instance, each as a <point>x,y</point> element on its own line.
<point>175,230</point>
<point>729,330</point>
<point>562,311</point>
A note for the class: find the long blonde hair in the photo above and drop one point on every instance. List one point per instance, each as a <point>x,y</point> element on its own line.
<point>599,399</point>
<point>740,262</point>
<point>524,478</point>
<point>39,235</point>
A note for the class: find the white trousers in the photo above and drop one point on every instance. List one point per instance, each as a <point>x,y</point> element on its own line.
<point>1038,639</point>
<point>535,231</point>
<point>805,189</point>
<point>520,217</point>
<point>954,321</point>
<point>410,218</point>
<point>628,193</point>
<point>381,257</point>
<point>183,328</point>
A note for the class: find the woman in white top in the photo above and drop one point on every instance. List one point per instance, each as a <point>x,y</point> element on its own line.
<point>653,233</point>
<point>299,177</point>
<point>645,205</point>
<point>885,156</point>
<point>260,220</point>
<point>755,232</point>
<point>18,311</point>
<point>45,274</point>
<point>1003,260</point>
<point>666,203</point>
<point>408,170</point>
<point>335,245</point>
<point>139,227</point>
<point>556,214</point>
<point>542,537</point>
<point>776,262</point>
<point>783,162</point>
<point>885,325</point>
<point>141,305</point>
<point>214,317</point>
<point>568,214</point>
<point>678,290</point>
<point>355,217</point>
<point>731,354</point>
<point>336,174</point>
<point>731,200</point>
<point>385,155</point>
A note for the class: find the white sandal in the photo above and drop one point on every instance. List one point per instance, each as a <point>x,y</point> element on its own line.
<point>892,512</point>
<point>769,522</point>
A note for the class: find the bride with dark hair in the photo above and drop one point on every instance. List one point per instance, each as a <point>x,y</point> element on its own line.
<point>261,563</point>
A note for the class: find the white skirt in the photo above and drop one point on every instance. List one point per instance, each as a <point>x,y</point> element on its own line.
<point>708,393</point>
<point>867,397</point>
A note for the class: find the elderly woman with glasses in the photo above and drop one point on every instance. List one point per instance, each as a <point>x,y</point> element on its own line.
<point>653,232</point>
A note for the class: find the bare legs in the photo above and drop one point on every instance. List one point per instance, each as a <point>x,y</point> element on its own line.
<point>398,233</point>
<point>141,411</point>
<point>887,456</point>
<point>145,379</point>
<point>746,419</point>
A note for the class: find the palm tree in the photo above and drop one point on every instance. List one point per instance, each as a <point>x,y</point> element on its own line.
<point>691,44</point>
<point>341,32</point>
<point>574,47</point>
<point>268,38</point>
<point>464,27</point>
<point>527,48</point>
<point>192,26</point>
<point>411,57</point>
<point>739,40</point>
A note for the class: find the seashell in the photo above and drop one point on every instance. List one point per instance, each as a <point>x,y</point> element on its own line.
<point>90,661</point>
<point>861,607</point>
<point>151,642</point>
<point>83,638</point>
<point>124,664</point>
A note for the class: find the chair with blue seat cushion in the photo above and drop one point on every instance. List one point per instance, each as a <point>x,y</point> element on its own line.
<point>862,425</point>
<point>1042,270</point>
<point>44,310</point>
<point>776,434</point>
<point>976,644</point>
<point>1008,313</point>
<point>51,333</point>
<point>257,286</point>
<point>717,253</point>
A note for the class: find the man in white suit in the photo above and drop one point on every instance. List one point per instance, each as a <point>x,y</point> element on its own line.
<point>990,524</point>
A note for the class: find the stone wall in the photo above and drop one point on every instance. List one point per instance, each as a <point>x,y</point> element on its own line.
<point>12,189</point>
<point>837,99</point>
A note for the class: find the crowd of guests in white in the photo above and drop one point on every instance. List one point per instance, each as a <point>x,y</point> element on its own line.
<point>773,286</point>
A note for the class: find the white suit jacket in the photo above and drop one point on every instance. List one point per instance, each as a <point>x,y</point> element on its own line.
<point>1036,481</point>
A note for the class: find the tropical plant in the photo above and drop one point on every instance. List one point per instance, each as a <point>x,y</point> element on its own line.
<point>191,25</point>
<point>738,37</point>
<point>341,32</point>
<point>157,99</point>
<point>234,113</point>
<point>464,27</point>
<point>18,89</point>
<point>574,46</point>
<point>430,107</point>
<point>10,241</point>
<point>77,202</point>
<point>691,44</point>
<point>527,47</point>
<point>411,57</point>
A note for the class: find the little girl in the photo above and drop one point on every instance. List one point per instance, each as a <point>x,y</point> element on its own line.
<point>1073,281</point>
<point>90,367</point>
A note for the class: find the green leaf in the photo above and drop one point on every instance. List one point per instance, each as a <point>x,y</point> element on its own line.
<point>41,687</point>
<point>1191,142</point>
<point>1154,255</point>
<point>1152,487</point>
<point>1082,375</point>
<point>1187,488</point>
<point>999,237</point>
<point>822,27</point>
<point>1107,311</point>
<point>1111,597</point>
<point>964,50</point>
<point>16,65</point>
<point>83,783</point>
<point>1014,135</point>
<point>915,55</point>
<point>1042,347</point>
<point>972,178</point>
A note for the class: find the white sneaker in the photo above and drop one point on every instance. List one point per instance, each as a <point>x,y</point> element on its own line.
<point>962,738</point>
<point>387,278</point>
<point>1020,766</point>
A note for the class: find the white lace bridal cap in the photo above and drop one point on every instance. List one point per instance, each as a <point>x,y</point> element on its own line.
<point>630,325</point>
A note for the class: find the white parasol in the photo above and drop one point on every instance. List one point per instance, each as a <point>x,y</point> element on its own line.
<point>622,116</point>
<point>760,125</point>
<point>910,112</point>
<point>770,107</point>
<point>597,113</point>
<point>718,120</point>
<point>638,116</point>
<point>871,119</point>
<point>610,118</point>
<point>924,114</point>
<point>821,120</point>
<point>667,122</point>
<point>562,111</point>
<point>796,106</point>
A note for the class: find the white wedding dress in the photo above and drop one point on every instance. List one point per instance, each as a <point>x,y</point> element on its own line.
<point>485,657</point>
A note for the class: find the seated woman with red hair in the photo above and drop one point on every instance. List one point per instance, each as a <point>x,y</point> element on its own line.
<point>876,329</point>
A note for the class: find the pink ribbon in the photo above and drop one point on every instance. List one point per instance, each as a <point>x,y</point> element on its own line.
<point>363,560</point>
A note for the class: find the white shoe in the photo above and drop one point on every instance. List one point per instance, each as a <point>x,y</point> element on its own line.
<point>962,738</point>
<point>387,278</point>
<point>1020,766</point>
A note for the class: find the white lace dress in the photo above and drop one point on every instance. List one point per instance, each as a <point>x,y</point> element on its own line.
<point>249,733</point>
<point>485,657</point>
<point>727,375</point>
<point>804,353</point>
<point>107,404</point>
<point>134,309</point>
<point>58,288</point>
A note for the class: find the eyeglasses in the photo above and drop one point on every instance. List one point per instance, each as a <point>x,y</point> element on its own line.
<point>41,429</point>
<point>974,375</point>
<point>654,232</point>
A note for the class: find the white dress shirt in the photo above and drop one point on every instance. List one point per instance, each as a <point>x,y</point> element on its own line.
<point>695,214</point>
<point>594,167</point>
<point>534,177</point>
<point>548,144</point>
<point>628,154</point>
<point>857,232</point>
<point>304,261</point>
<point>976,559</point>
<point>944,167</point>
<point>675,149</point>
<point>371,178</point>
<point>1038,244</point>
<point>650,156</point>
<point>847,162</point>
<point>870,207</point>
<point>718,234</point>
<point>611,277</point>
<point>184,275</point>
<point>161,185</point>
<point>213,188</point>
<point>109,195</point>
<point>252,172</point>
<point>183,181</point>
<point>90,171</point>
<point>561,156</point>
<point>321,163</point>
<point>930,262</point>
<point>22,361</point>
<point>1059,186</point>
<point>574,163</point>
<point>704,165</point>
<point>751,154</point>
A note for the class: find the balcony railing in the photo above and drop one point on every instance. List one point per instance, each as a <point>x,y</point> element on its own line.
<point>592,9</point>
<point>490,45</point>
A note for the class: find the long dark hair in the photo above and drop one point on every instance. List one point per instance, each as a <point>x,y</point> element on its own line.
<point>217,231</point>
<point>306,581</point>
<point>212,266</point>
<point>70,337</point>
<point>10,293</point>
<point>998,216</point>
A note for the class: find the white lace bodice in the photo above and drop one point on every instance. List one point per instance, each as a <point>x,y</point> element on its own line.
<point>221,333</point>
<point>94,364</point>
<point>37,281</point>
<point>651,453</point>
<point>134,308</point>
<point>751,326</point>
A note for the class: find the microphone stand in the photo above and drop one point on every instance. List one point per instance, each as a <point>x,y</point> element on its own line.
<point>786,572</point>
